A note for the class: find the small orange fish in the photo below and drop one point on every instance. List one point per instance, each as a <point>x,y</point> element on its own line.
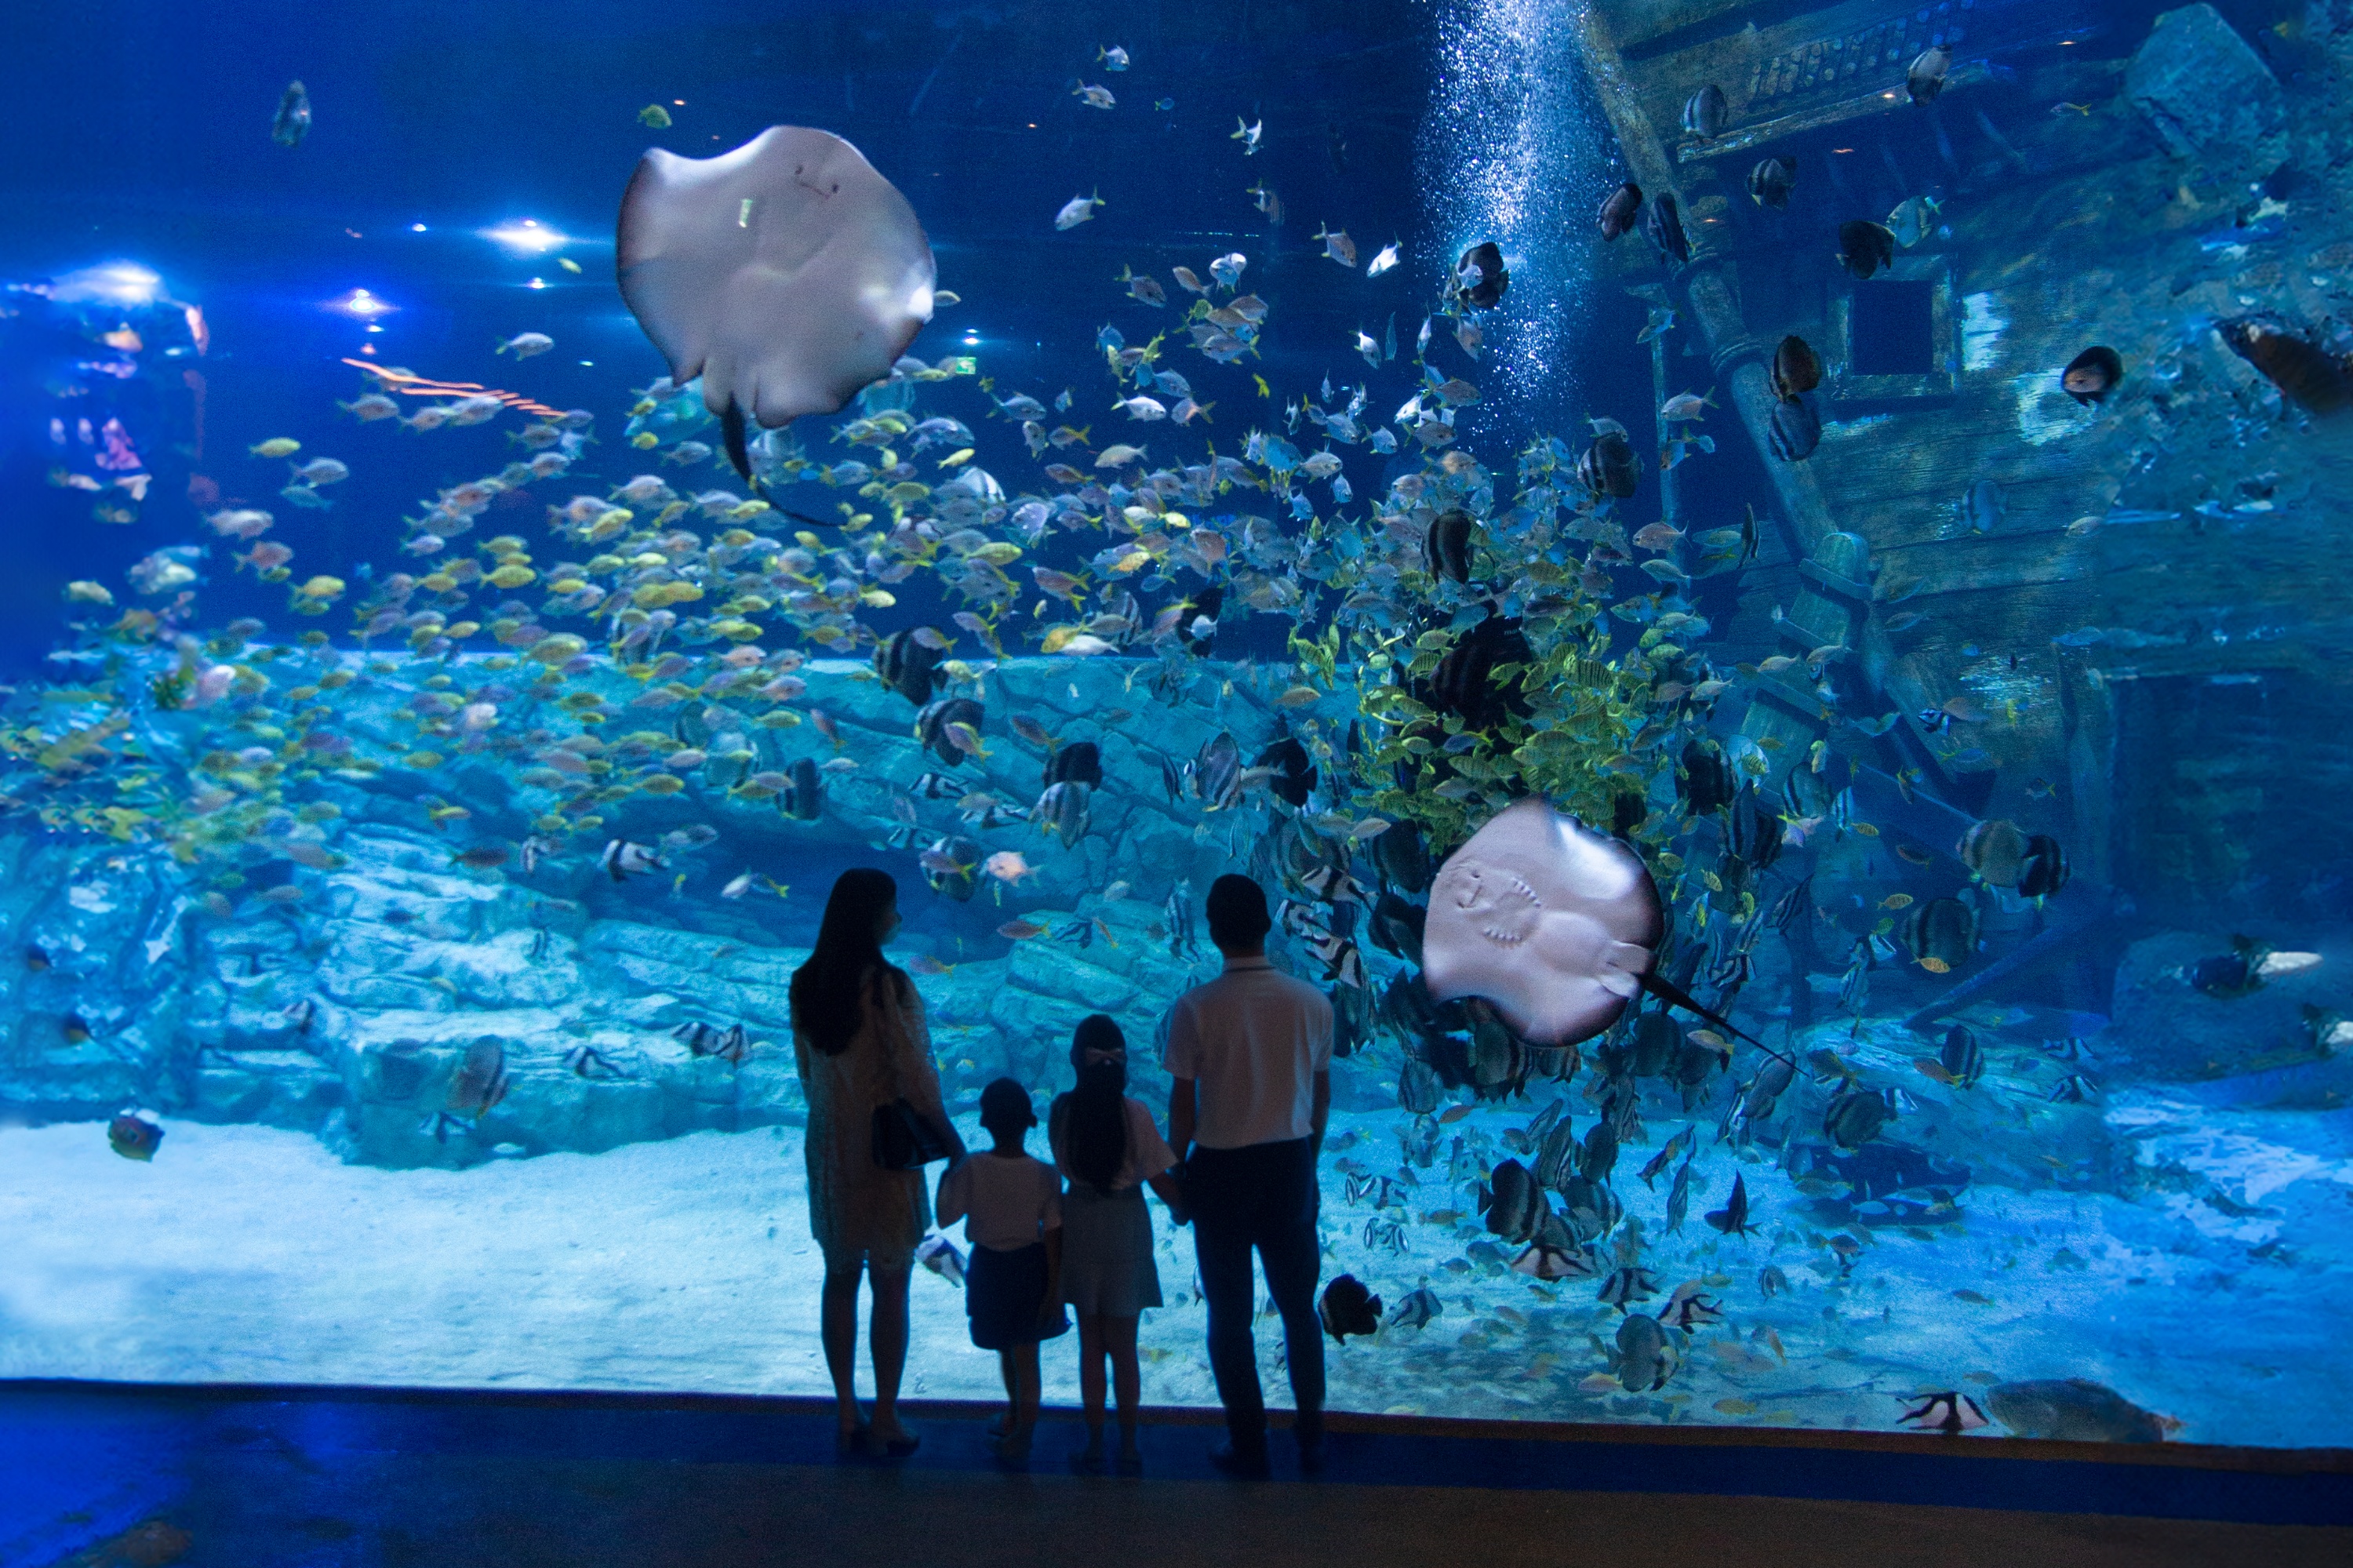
<point>1020,930</point>
<point>1933,1069</point>
<point>1937,966</point>
<point>1896,901</point>
<point>1453,1113</point>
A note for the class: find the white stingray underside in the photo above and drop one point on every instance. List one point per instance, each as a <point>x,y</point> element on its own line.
<point>788,273</point>
<point>1552,923</point>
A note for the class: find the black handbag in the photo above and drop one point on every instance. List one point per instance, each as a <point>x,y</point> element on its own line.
<point>904,1141</point>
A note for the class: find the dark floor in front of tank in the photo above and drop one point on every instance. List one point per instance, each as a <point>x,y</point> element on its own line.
<point>389,1479</point>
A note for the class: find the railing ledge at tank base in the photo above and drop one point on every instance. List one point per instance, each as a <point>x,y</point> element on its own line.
<point>1530,1439</point>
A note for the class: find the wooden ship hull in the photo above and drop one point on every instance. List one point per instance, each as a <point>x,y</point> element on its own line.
<point>2116,621</point>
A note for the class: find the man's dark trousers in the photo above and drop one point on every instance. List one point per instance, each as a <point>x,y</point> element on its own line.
<point>1263,1196</point>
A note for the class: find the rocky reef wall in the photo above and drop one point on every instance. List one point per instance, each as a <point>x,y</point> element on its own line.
<point>336,985</point>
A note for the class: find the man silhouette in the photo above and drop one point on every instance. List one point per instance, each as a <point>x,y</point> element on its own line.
<point>1250,1054</point>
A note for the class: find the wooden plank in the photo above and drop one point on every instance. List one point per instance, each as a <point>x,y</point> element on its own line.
<point>1877,102</point>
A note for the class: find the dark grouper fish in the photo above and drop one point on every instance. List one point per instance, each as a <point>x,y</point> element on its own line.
<point>2074,1410</point>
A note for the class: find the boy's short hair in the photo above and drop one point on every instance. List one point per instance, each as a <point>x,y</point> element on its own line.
<point>1237,912</point>
<point>1005,1103</point>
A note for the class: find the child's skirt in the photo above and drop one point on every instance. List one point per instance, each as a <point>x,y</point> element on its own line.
<point>1004,1292</point>
<point>1107,1266</point>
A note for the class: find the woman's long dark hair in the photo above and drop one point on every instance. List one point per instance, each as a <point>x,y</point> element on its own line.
<point>829,991</point>
<point>1095,1137</point>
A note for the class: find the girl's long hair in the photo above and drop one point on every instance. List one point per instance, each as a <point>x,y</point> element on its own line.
<point>829,991</point>
<point>1096,1135</point>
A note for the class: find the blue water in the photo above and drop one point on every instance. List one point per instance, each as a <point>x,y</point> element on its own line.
<point>268,885</point>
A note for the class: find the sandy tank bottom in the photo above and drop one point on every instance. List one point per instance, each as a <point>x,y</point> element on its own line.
<point>248,1253</point>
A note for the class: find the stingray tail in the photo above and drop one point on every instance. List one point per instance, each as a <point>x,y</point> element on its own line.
<point>739,448</point>
<point>739,453</point>
<point>1673,995</point>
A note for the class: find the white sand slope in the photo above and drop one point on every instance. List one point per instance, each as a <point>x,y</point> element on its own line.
<point>246,1254</point>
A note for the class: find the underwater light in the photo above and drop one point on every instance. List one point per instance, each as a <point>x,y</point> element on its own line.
<point>530,236</point>
<point>360,305</point>
<point>416,228</point>
<point>536,283</point>
<point>109,282</point>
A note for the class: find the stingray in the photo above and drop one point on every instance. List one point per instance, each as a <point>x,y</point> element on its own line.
<point>1554,924</point>
<point>788,274</point>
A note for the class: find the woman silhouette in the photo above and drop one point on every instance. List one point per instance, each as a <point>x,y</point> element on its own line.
<point>860,1042</point>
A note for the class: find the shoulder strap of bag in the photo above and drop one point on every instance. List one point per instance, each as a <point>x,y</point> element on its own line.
<point>898,1034</point>
<point>881,998</point>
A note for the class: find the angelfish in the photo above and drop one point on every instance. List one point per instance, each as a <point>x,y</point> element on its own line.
<point>1949,1412</point>
<point>622,858</point>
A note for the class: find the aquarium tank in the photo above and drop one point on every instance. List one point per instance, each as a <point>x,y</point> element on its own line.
<point>506,503</point>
